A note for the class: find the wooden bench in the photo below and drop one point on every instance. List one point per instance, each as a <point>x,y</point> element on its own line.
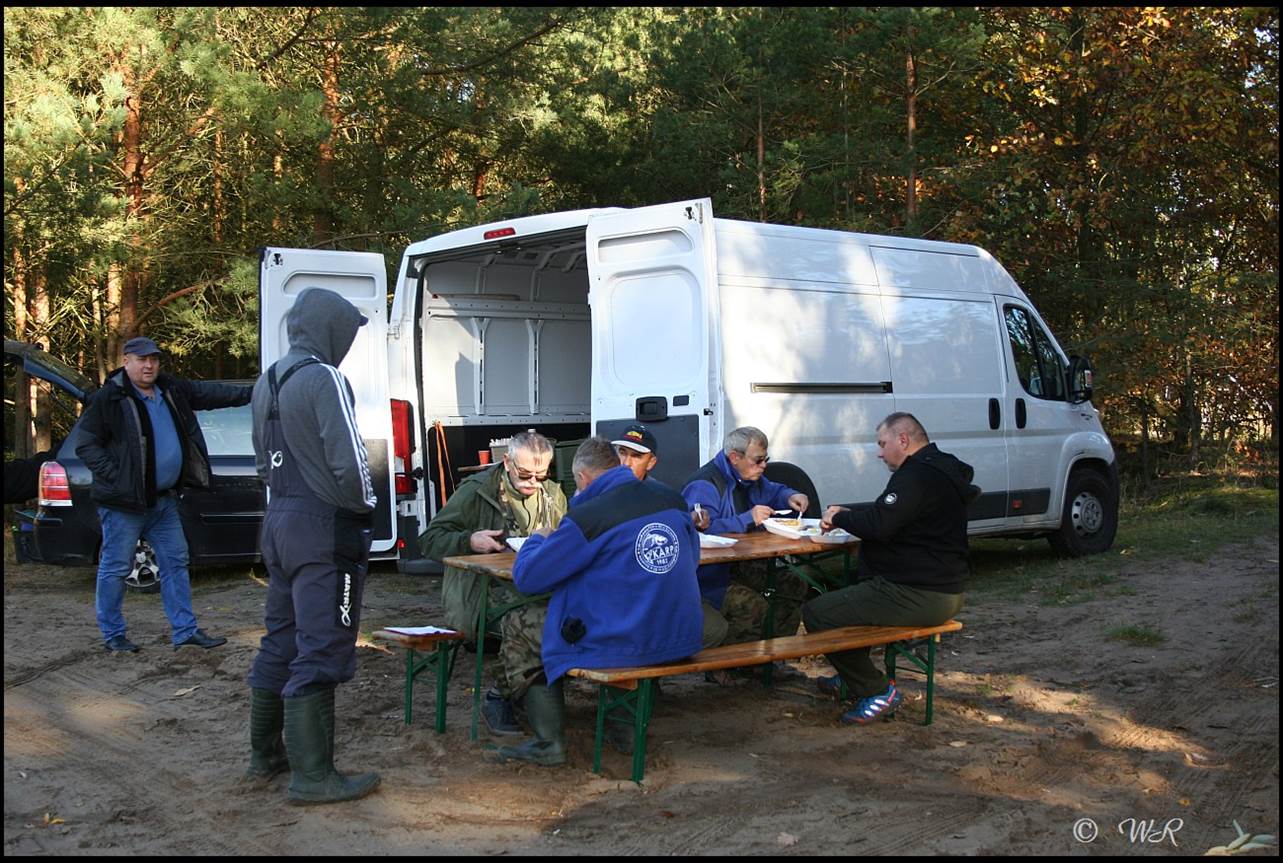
<point>440,648</point>
<point>630,691</point>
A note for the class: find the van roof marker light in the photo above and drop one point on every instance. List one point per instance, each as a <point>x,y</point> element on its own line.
<point>500,232</point>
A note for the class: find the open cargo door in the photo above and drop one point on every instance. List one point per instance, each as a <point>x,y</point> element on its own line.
<point>362,279</point>
<point>653,298</point>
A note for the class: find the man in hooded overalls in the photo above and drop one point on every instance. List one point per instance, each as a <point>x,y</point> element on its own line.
<point>316,545</point>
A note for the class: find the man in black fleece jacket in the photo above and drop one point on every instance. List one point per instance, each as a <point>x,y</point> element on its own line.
<point>913,559</point>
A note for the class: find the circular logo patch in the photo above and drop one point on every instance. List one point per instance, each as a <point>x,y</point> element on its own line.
<point>657,548</point>
<point>890,499</point>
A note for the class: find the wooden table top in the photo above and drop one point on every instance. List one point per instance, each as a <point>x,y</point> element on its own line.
<point>750,546</point>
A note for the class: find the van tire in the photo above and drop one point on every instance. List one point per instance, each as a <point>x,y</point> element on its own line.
<point>1089,519</point>
<point>794,477</point>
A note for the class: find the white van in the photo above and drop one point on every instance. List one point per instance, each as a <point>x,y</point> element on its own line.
<point>583,322</point>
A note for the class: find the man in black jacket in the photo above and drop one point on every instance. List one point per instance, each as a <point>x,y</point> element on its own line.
<point>144,446</point>
<point>913,559</point>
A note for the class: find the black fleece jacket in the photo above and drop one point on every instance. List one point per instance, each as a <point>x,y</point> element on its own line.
<point>915,533</point>
<point>115,433</point>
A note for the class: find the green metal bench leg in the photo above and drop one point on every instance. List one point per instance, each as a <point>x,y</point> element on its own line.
<point>441,661</point>
<point>444,666</point>
<point>641,723</point>
<point>931,675</point>
<point>640,703</point>
<point>410,672</point>
<point>928,667</point>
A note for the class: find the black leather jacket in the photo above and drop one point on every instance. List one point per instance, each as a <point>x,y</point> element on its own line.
<point>115,428</point>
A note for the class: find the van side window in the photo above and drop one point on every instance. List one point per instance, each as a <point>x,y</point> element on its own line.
<point>1038,365</point>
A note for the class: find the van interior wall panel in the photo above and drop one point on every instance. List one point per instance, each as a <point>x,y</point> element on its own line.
<point>506,331</point>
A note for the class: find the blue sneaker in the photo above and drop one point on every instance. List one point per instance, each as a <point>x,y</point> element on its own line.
<point>830,685</point>
<point>874,707</point>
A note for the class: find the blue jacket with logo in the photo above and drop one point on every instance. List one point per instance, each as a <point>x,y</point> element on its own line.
<point>622,563</point>
<point>716,487</point>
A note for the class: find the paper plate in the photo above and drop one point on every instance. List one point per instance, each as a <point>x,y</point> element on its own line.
<point>834,537</point>
<point>707,540</point>
<point>514,542</point>
<point>809,527</point>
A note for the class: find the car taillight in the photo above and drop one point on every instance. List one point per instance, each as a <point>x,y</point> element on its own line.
<point>53,487</point>
<point>402,446</point>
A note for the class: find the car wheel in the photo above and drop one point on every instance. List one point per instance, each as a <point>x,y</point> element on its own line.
<point>795,478</point>
<point>1090,517</point>
<point>145,575</point>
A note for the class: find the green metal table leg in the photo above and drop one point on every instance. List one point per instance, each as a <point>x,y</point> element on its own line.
<point>481,655</point>
<point>768,625</point>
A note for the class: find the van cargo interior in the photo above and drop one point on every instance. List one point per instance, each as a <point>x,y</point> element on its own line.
<point>504,345</point>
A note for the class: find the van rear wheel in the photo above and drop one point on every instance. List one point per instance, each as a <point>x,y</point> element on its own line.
<point>1089,519</point>
<point>795,478</point>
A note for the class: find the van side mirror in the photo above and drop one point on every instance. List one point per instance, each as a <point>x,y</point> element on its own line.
<point>1079,379</point>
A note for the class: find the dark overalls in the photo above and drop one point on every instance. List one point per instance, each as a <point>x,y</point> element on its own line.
<point>316,558</point>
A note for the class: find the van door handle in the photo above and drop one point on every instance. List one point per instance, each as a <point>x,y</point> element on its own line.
<point>1021,415</point>
<point>995,414</point>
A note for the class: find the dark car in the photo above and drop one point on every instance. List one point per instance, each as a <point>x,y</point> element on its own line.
<point>221,522</point>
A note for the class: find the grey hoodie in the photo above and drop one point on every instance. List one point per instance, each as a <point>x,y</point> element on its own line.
<point>317,410</point>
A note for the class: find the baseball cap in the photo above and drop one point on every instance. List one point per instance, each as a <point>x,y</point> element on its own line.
<point>639,438</point>
<point>141,346</point>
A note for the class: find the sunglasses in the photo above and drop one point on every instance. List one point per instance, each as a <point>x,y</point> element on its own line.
<point>520,475</point>
<point>761,459</point>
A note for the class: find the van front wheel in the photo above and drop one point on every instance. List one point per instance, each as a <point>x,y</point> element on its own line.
<point>1090,517</point>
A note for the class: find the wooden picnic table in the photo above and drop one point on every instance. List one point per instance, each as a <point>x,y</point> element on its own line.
<point>759,545</point>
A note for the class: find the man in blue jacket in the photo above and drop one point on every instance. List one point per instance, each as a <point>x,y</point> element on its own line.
<point>738,498</point>
<point>621,570</point>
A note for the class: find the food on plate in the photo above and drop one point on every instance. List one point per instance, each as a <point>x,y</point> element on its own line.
<point>788,522</point>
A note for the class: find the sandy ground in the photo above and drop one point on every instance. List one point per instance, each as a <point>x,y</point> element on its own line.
<point>1041,723</point>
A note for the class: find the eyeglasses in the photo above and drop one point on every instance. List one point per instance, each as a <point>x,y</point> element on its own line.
<point>520,475</point>
<point>761,459</point>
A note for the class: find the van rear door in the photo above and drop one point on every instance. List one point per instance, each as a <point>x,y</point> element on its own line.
<point>362,279</point>
<point>652,292</point>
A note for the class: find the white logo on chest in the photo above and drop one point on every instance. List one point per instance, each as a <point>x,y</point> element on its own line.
<point>890,499</point>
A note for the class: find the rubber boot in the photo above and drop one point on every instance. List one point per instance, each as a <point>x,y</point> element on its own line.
<point>309,740</point>
<point>546,707</point>
<point>266,746</point>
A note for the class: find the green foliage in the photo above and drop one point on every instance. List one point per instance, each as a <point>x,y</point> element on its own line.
<point>1121,162</point>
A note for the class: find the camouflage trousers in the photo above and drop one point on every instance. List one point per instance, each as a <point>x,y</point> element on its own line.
<point>521,652</point>
<point>745,608</point>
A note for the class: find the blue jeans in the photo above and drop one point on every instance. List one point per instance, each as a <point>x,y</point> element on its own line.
<point>161,527</point>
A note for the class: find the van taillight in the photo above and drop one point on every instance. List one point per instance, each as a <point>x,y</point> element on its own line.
<point>53,487</point>
<point>402,446</point>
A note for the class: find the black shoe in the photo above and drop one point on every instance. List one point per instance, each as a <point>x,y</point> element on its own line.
<point>200,639</point>
<point>498,713</point>
<point>120,644</point>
